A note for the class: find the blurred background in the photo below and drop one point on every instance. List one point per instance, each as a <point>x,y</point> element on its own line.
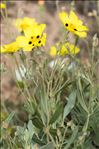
<point>44,11</point>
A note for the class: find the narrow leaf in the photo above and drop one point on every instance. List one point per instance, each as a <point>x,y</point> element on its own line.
<point>48,146</point>
<point>37,123</point>
<point>57,113</point>
<point>37,140</point>
<point>11,115</point>
<point>70,104</point>
<point>71,140</point>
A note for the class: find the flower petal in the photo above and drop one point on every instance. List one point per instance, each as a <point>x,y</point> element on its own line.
<point>53,51</point>
<point>63,16</point>
<point>10,48</point>
<point>35,31</point>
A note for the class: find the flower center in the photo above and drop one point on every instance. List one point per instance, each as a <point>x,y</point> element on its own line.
<point>30,42</point>
<point>38,36</point>
<point>39,41</point>
<point>66,24</point>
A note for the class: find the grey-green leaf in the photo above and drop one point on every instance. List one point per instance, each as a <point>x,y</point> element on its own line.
<point>71,140</point>
<point>48,146</point>
<point>10,117</point>
<point>57,113</point>
<point>70,104</point>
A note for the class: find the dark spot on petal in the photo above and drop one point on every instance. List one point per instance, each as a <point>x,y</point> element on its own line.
<point>38,36</point>
<point>66,24</point>
<point>75,29</point>
<point>30,42</point>
<point>33,45</point>
<point>32,37</point>
<point>39,41</point>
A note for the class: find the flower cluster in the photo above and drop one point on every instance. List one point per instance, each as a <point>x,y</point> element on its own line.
<point>32,36</point>
<point>64,49</point>
<point>74,25</point>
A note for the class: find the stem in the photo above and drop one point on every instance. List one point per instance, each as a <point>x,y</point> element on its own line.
<point>18,84</point>
<point>63,136</point>
<point>92,62</point>
<point>28,93</point>
<point>52,140</point>
<point>2,14</point>
<point>57,5</point>
<point>76,42</point>
<point>6,13</point>
<point>87,122</point>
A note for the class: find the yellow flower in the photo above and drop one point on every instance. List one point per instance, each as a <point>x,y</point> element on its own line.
<point>68,48</point>
<point>9,48</point>
<point>29,43</point>
<point>25,23</point>
<point>73,24</point>
<point>2,6</point>
<point>34,37</point>
<point>64,49</point>
<point>53,51</point>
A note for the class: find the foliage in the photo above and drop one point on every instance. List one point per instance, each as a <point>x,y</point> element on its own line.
<point>61,100</point>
